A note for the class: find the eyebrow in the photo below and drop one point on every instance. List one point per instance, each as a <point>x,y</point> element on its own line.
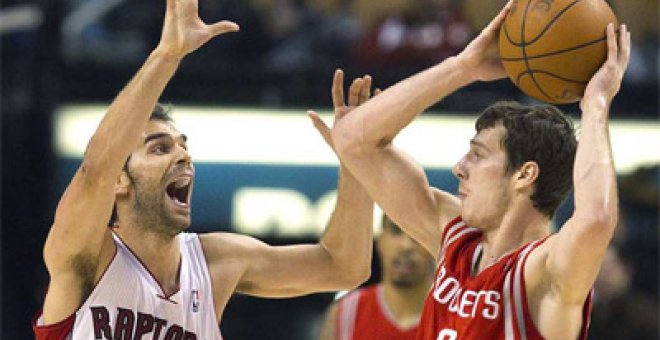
<point>479,144</point>
<point>159,135</point>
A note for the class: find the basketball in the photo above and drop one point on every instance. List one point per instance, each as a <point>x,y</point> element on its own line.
<point>551,48</point>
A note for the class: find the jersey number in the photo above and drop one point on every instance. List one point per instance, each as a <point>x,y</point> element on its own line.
<point>447,334</point>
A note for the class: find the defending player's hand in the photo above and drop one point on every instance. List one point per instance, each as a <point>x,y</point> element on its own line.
<point>184,31</point>
<point>605,84</point>
<point>358,93</point>
<point>481,57</point>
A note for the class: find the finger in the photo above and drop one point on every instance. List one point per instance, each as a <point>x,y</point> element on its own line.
<point>223,27</point>
<point>365,91</point>
<point>320,126</point>
<point>354,92</point>
<point>377,91</point>
<point>338,89</point>
<point>611,44</point>
<point>624,45</point>
<point>499,19</point>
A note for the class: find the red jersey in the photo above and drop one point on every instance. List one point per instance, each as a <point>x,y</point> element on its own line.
<point>490,305</point>
<point>363,314</point>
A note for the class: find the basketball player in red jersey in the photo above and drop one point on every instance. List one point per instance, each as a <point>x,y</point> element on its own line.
<point>391,309</point>
<point>145,278</point>
<point>501,273</point>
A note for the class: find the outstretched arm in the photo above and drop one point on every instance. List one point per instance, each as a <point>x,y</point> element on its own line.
<point>342,258</point>
<point>76,239</point>
<point>395,181</point>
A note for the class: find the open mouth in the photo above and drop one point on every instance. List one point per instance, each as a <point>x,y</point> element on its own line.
<point>179,191</point>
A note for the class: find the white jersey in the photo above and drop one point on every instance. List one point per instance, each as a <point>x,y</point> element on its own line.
<point>128,303</point>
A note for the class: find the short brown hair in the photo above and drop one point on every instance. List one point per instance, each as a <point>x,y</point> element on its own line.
<point>541,134</point>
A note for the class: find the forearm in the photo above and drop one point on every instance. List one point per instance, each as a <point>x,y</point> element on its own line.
<point>127,116</point>
<point>348,237</point>
<point>380,119</point>
<point>594,175</point>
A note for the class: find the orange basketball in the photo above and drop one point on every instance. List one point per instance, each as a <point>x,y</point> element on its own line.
<point>551,48</point>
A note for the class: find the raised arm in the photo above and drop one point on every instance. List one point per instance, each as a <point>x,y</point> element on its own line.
<point>79,232</point>
<point>579,247</point>
<point>342,258</point>
<point>562,271</point>
<point>394,180</point>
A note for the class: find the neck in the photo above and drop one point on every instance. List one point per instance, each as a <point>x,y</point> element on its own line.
<point>406,304</point>
<point>518,226</point>
<point>160,254</point>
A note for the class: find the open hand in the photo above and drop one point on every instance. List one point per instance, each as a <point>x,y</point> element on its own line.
<point>184,31</point>
<point>358,93</point>
<point>605,84</point>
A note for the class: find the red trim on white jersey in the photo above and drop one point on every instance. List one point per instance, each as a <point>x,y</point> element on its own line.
<point>63,329</point>
<point>57,331</point>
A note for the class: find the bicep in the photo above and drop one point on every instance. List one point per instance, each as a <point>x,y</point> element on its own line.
<point>271,271</point>
<point>80,222</point>
<point>400,187</point>
<point>287,271</point>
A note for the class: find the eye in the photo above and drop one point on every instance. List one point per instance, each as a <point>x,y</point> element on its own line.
<point>474,154</point>
<point>160,148</point>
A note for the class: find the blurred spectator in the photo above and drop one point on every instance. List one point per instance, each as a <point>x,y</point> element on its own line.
<point>639,194</point>
<point>421,34</point>
<point>626,290</point>
<point>390,309</point>
<point>618,311</point>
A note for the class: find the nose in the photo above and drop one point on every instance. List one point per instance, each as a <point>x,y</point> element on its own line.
<point>458,170</point>
<point>183,157</point>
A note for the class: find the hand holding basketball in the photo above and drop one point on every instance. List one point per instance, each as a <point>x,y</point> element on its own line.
<point>605,84</point>
<point>551,48</point>
<point>481,58</point>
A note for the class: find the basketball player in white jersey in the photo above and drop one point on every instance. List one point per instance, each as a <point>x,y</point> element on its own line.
<point>501,274</point>
<point>145,279</point>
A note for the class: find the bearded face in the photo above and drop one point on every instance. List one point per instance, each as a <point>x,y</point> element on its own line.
<point>161,177</point>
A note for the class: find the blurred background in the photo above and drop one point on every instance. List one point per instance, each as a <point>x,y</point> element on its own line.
<point>261,168</point>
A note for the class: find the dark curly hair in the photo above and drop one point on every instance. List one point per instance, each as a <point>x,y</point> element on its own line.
<point>541,134</point>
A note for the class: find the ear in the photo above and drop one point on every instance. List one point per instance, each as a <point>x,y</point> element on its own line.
<point>123,184</point>
<point>526,175</point>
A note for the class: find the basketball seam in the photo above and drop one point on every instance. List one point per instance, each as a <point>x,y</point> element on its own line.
<point>549,54</point>
<point>531,71</point>
<point>523,46</point>
<point>545,29</point>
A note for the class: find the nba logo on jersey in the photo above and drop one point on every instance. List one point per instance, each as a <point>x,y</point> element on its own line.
<point>194,298</point>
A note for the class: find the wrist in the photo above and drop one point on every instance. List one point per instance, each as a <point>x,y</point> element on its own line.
<point>465,69</point>
<point>594,104</point>
<point>166,55</point>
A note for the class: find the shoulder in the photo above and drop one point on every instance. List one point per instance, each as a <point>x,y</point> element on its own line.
<point>229,246</point>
